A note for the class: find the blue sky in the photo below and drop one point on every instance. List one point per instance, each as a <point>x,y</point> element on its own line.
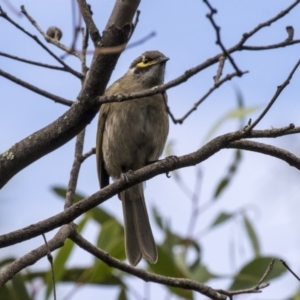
<point>183,33</point>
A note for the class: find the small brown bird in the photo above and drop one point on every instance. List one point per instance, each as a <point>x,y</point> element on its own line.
<point>132,134</point>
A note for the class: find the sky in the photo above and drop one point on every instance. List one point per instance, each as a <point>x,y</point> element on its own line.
<point>269,188</point>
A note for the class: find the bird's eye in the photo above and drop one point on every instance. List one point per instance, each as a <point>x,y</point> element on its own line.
<point>145,61</point>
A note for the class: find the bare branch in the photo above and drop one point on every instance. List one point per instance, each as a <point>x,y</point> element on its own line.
<point>255,289</point>
<point>146,276</point>
<point>75,170</point>
<point>280,88</point>
<point>282,154</point>
<point>36,89</point>
<point>35,38</point>
<point>48,38</point>
<point>217,28</point>
<point>33,62</point>
<point>50,259</point>
<point>33,256</point>
<point>88,19</point>
<point>247,35</point>
<point>268,47</point>
<point>290,270</point>
<point>220,69</point>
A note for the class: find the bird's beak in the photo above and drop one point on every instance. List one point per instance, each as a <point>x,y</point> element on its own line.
<point>163,60</point>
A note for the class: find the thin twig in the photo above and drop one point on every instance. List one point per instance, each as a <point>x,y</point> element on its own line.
<point>144,275</point>
<point>220,69</point>
<point>85,44</point>
<point>36,39</point>
<point>36,89</point>
<point>75,170</point>
<point>50,259</point>
<point>205,96</point>
<point>255,289</point>
<point>288,268</point>
<point>217,28</point>
<point>280,88</point>
<point>33,256</point>
<point>88,19</point>
<point>33,62</point>
<point>273,46</point>
<point>284,12</point>
<point>88,154</point>
<point>47,37</point>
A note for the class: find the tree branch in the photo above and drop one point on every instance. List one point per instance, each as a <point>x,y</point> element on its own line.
<point>35,89</point>
<point>33,256</point>
<point>146,276</point>
<point>88,19</point>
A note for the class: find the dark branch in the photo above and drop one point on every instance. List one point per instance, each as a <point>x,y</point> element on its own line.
<point>88,19</point>
<point>33,256</point>
<point>48,38</point>
<point>146,276</point>
<point>35,38</point>
<point>36,89</point>
<point>33,62</point>
<point>75,170</point>
<point>280,88</point>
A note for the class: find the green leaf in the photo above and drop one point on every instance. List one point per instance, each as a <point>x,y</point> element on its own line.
<point>61,192</point>
<point>122,295</point>
<point>221,218</point>
<point>251,273</point>
<point>237,113</point>
<point>98,214</point>
<point>295,297</point>
<point>228,177</point>
<point>252,236</point>
<point>6,293</point>
<point>157,218</point>
<point>20,291</point>
<point>59,262</point>
<point>221,186</point>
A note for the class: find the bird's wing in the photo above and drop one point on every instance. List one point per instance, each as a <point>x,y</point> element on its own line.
<point>102,173</point>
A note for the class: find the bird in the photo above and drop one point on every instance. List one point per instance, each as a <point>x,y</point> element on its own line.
<point>130,135</point>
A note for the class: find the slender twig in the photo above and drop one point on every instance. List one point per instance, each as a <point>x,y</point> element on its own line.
<point>219,42</point>
<point>144,275</point>
<point>268,47</point>
<point>280,88</point>
<point>88,19</point>
<point>220,69</point>
<point>50,259</point>
<point>47,37</point>
<point>288,268</point>
<point>284,12</point>
<point>270,150</point>
<point>255,289</point>
<point>33,62</point>
<point>35,89</point>
<point>36,39</point>
<point>205,96</point>
<point>75,170</point>
<point>88,154</point>
<point>85,43</point>
<point>33,256</point>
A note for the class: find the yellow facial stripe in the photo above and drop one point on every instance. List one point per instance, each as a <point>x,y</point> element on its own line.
<point>144,64</point>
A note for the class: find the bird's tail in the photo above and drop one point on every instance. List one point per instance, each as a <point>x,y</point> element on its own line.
<point>139,239</point>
